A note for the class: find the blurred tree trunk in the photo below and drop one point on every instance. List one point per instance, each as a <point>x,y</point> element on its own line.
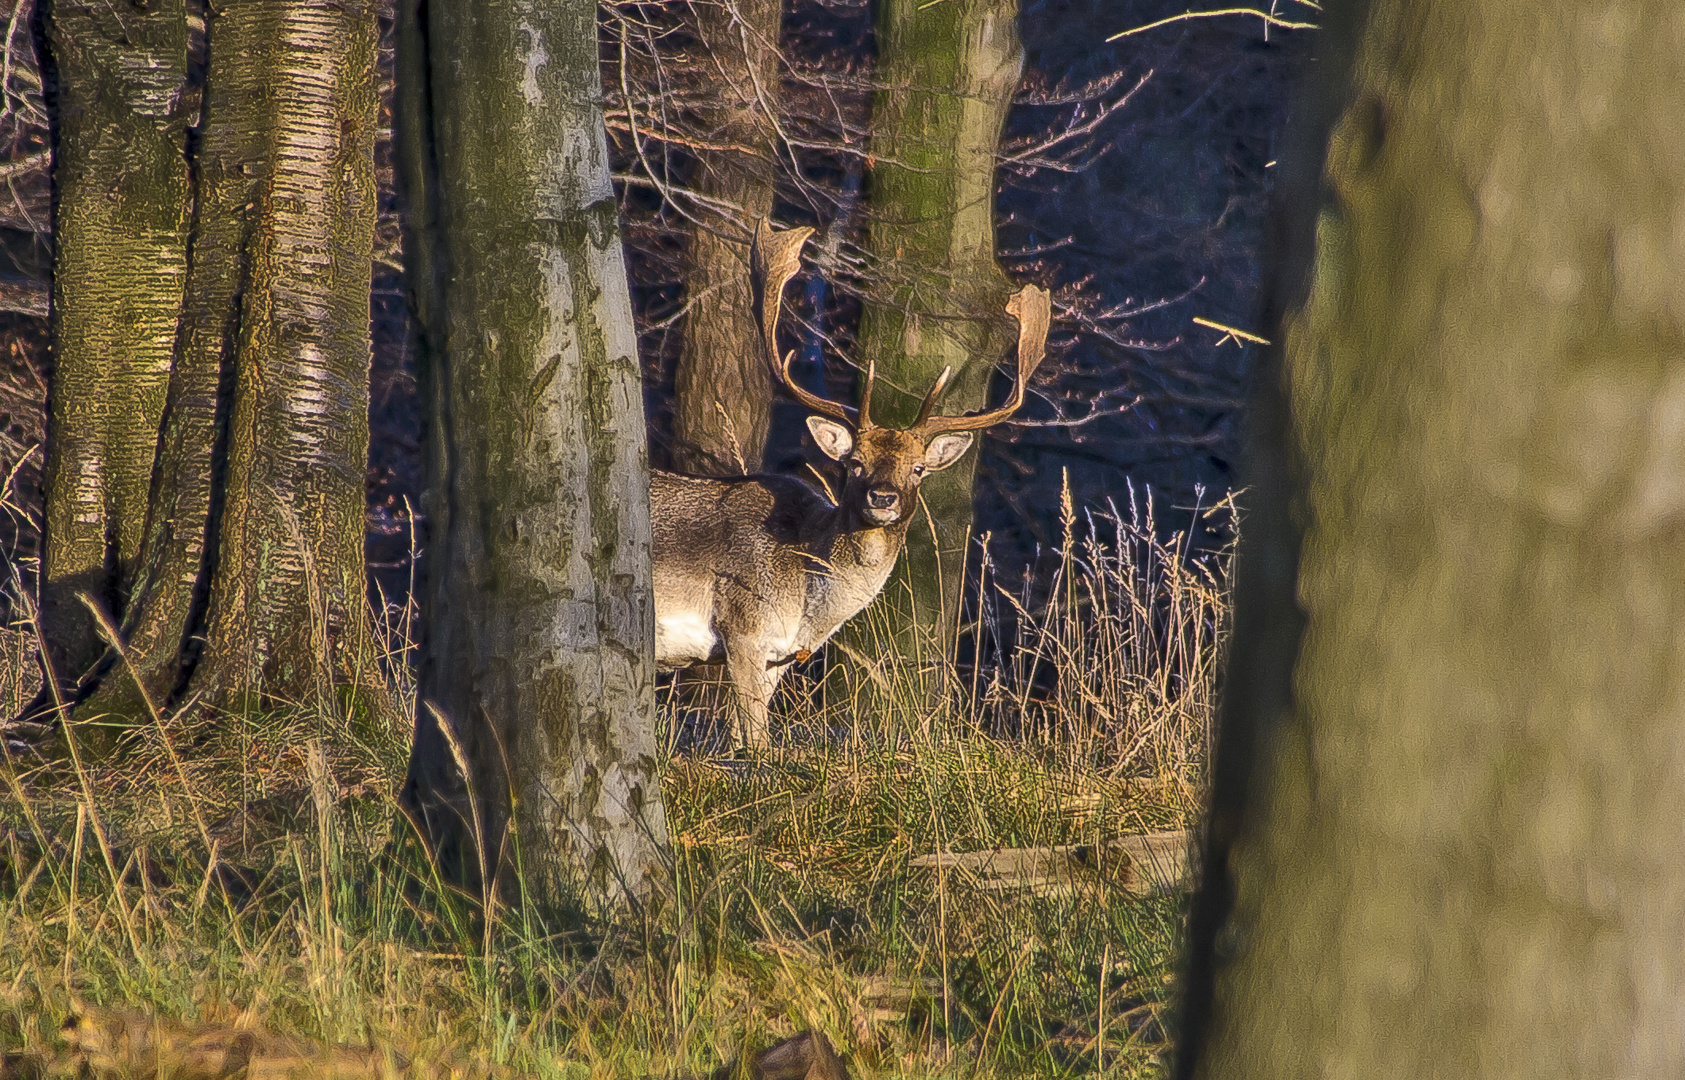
<point>120,234</point>
<point>722,388</point>
<point>249,586</point>
<point>949,72</point>
<point>1445,830</point>
<point>540,622</point>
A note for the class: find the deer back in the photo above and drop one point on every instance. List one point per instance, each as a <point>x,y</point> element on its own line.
<point>725,544</point>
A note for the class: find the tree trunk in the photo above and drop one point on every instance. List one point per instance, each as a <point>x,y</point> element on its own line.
<point>949,71</point>
<point>722,403</point>
<point>540,623</point>
<point>288,615</point>
<point>1445,830</point>
<point>120,233</point>
<point>251,587</point>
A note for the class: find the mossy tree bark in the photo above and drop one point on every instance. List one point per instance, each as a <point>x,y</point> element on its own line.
<point>1445,830</point>
<point>539,654</point>
<point>122,109</point>
<point>249,585</point>
<point>722,403</point>
<point>949,72</point>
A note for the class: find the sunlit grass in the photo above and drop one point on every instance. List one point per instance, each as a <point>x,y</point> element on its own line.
<point>258,870</point>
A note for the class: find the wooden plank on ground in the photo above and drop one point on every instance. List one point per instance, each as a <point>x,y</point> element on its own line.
<point>1153,864</point>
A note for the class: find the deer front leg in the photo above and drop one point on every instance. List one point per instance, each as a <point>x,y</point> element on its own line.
<point>752,683</point>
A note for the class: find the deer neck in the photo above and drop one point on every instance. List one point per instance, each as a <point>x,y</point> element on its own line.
<point>848,568</point>
<point>859,546</point>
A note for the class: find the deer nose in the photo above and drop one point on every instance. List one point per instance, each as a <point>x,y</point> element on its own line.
<point>882,498</point>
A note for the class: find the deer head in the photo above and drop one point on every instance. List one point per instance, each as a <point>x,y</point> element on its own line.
<point>884,465</point>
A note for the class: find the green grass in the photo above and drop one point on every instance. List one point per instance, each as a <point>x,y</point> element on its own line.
<point>262,870</point>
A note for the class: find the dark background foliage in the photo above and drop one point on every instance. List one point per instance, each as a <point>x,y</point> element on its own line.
<point>1133,182</point>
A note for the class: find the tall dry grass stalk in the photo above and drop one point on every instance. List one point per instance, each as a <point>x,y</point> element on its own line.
<point>1118,661</point>
<point>1104,658</point>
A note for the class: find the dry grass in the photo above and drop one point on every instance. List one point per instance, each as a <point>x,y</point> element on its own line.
<point>262,875</point>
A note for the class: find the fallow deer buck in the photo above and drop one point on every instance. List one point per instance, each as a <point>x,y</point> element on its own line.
<point>758,571</point>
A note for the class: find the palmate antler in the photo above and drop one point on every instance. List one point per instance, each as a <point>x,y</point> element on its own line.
<point>774,259</point>
<point>1034,311</point>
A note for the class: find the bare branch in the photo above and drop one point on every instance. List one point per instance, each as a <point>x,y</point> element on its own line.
<point>1269,20</point>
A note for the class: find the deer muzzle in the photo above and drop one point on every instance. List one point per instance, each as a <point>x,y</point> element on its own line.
<point>883,505</point>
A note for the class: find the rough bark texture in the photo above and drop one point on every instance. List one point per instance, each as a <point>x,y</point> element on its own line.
<point>251,580</point>
<point>170,590</point>
<point>287,619</point>
<point>950,71</point>
<point>540,631</point>
<point>1458,852</point>
<point>722,386</point>
<point>120,234</point>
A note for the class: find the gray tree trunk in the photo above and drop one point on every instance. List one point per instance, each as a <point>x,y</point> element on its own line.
<point>540,625</point>
<point>949,72</point>
<point>1446,825</point>
<point>722,388</point>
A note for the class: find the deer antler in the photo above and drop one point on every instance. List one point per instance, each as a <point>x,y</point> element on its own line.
<point>933,397</point>
<point>1034,311</point>
<point>774,259</point>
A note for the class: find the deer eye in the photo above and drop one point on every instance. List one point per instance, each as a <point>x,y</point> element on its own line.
<point>918,470</point>
<point>855,465</point>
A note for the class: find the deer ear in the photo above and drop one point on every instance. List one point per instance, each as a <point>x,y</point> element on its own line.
<point>832,437</point>
<point>944,450</point>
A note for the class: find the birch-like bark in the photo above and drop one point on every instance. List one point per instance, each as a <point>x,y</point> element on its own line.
<point>288,616</point>
<point>251,589</point>
<point>1447,824</point>
<point>120,262</point>
<point>540,628</point>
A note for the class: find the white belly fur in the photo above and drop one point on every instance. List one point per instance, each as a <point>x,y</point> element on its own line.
<point>683,639</point>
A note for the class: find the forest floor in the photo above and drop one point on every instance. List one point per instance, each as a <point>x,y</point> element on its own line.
<point>307,915</point>
<point>256,878</point>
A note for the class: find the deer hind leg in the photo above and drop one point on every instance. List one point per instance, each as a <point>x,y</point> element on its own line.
<point>752,684</point>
